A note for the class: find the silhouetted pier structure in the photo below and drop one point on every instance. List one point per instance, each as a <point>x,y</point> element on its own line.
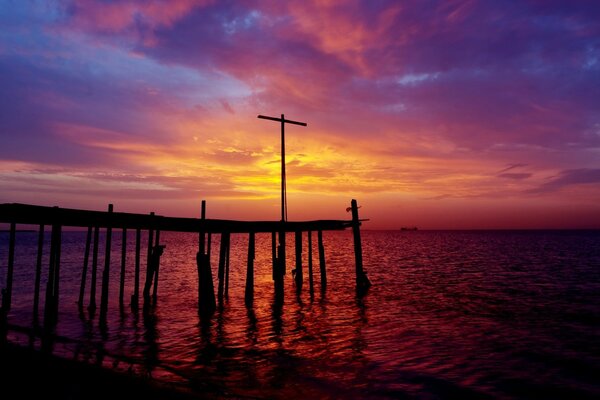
<point>56,219</point>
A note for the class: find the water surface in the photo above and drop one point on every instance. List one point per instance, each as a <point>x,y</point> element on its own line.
<point>451,314</point>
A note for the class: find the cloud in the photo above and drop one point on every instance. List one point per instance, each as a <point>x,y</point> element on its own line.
<point>566,178</point>
<point>515,175</point>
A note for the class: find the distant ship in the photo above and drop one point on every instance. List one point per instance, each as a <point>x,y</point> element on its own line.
<point>408,228</point>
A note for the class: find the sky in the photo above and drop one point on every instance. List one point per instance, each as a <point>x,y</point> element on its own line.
<point>455,114</point>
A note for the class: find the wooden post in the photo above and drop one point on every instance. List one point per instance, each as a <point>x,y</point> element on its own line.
<point>274,253</point>
<point>7,292</point>
<point>310,265</point>
<point>86,258</point>
<point>136,288</point>
<point>206,290</point>
<point>92,305</point>
<point>298,272</point>
<point>362,282</point>
<point>149,273</point>
<point>156,268</point>
<point>222,262</point>
<point>249,294</point>
<point>227,258</point>
<point>57,270</point>
<point>38,273</point>
<point>280,269</point>
<point>322,261</point>
<point>51,304</point>
<point>123,261</point>
<point>106,272</point>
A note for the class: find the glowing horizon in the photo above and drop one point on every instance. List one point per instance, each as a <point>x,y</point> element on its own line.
<point>456,115</point>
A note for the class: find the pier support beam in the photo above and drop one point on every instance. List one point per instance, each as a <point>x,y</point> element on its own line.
<point>106,272</point>
<point>322,267</point>
<point>149,272</point>
<point>206,290</point>
<point>279,269</point>
<point>92,305</point>
<point>310,266</point>
<point>52,286</point>
<point>362,281</point>
<point>38,274</point>
<point>298,275</point>
<point>135,297</point>
<point>86,258</point>
<point>157,247</point>
<point>227,259</point>
<point>249,293</point>
<point>7,291</point>
<point>123,261</point>
<point>223,255</point>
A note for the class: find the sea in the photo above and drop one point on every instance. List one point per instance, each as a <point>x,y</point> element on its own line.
<point>450,315</point>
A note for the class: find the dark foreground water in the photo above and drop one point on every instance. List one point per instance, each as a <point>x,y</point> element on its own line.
<point>498,314</point>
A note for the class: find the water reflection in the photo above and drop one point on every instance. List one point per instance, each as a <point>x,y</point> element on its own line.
<point>448,312</point>
<point>150,352</point>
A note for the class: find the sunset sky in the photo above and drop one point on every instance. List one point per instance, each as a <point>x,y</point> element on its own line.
<point>439,114</point>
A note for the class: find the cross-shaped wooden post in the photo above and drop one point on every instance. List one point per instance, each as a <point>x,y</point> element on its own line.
<point>283,183</point>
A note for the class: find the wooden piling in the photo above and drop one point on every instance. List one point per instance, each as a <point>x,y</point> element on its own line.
<point>222,263</point>
<point>38,272</point>
<point>362,282</point>
<point>136,288</point>
<point>156,267</point>
<point>7,292</point>
<point>51,303</point>
<point>310,265</point>
<point>274,253</point>
<point>206,291</point>
<point>123,261</point>
<point>86,258</point>
<point>106,272</point>
<point>322,267</point>
<point>227,258</point>
<point>280,269</point>
<point>57,270</point>
<point>92,305</point>
<point>249,293</point>
<point>149,273</point>
<point>298,272</point>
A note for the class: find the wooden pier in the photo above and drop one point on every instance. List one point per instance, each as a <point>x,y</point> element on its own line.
<point>56,219</point>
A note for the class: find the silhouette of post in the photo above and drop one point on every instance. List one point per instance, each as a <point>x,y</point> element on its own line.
<point>362,282</point>
<point>280,268</point>
<point>123,261</point>
<point>86,259</point>
<point>7,292</point>
<point>322,267</point>
<point>298,273</point>
<point>310,266</point>
<point>156,267</point>
<point>106,272</point>
<point>148,280</point>
<point>92,305</point>
<point>206,290</point>
<point>283,177</point>
<point>38,273</point>
<point>52,285</point>
<point>249,294</point>
<point>136,289</point>
<point>224,250</point>
<point>227,259</point>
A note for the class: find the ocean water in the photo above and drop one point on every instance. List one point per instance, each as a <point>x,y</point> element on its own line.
<point>451,314</point>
